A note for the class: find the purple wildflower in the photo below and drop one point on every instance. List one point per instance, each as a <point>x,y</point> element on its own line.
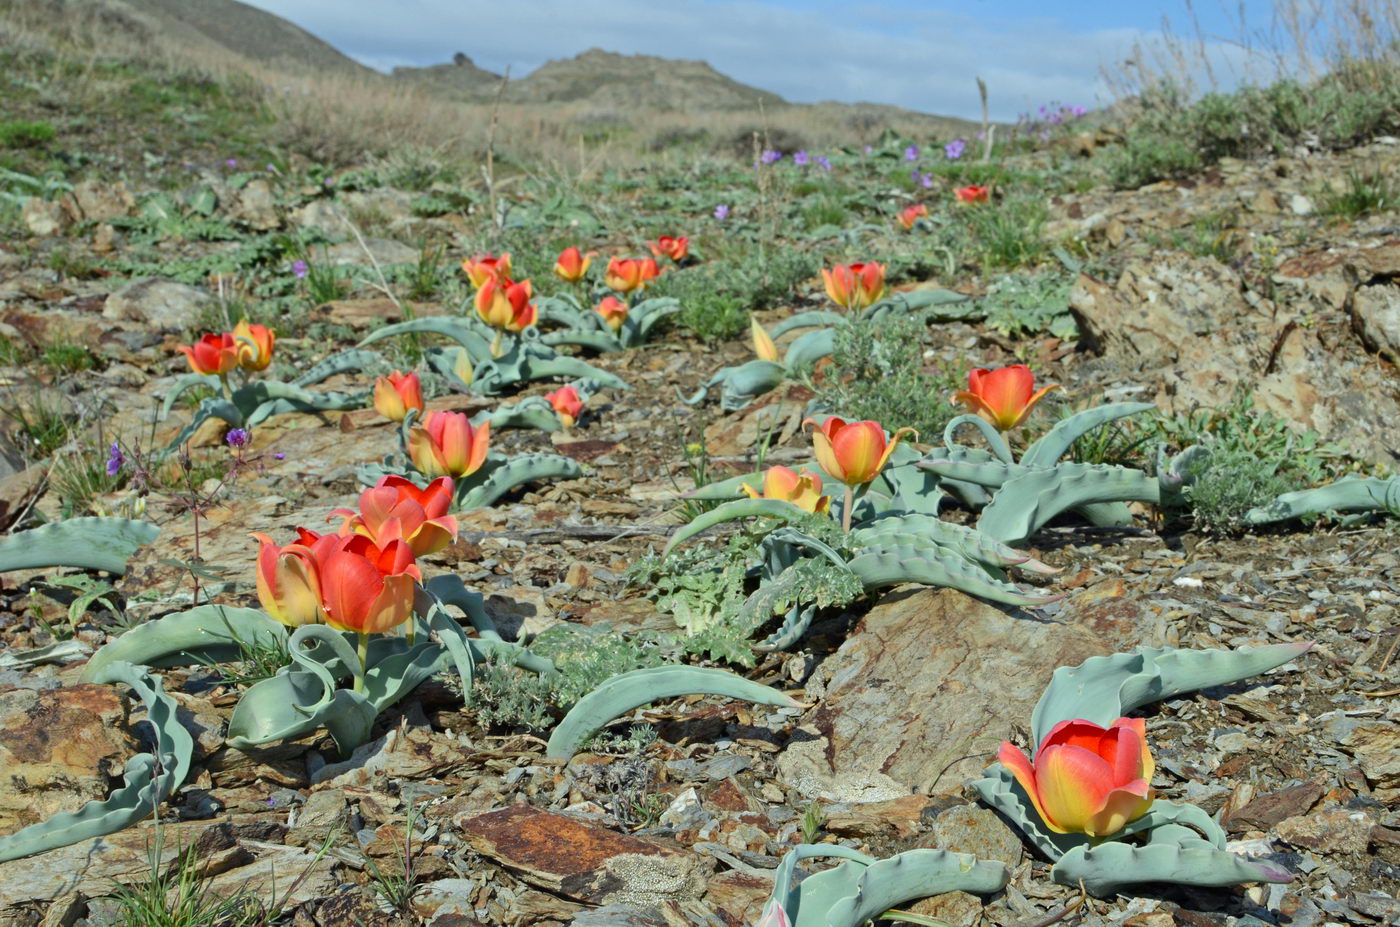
<point>801,159</point>
<point>115,459</point>
<point>770,156</point>
<point>231,163</point>
<point>237,437</point>
<point>280,456</point>
<point>824,164</point>
<point>299,269</point>
<point>1076,110</point>
<point>911,153</point>
<point>926,181</point>
<point>869,148</point>
<point>954,149</point>
<point>722,212</point>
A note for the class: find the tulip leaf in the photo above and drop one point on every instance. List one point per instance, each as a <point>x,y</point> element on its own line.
<point>1349,494</point>
<point>994,438</point>
<point>147,780</point>
<point>534,412</point>
<point>795,624</point>
<point>1103,689</point>
<point>727,489</point>
<point>739,385</point>
<point>815,319</point>
<point>861,888</point>
<point>499,475</point>
<point>808,348</point>
<point>889,566</point>
<point>187,382</point>
<point>213,407</point>
<point>351,361</point>
<point>731,511</point>
<point>1026,502</point>
<point>85,543</point>
<point>1110,866</point>
<point>208,633</point>
<point>477,346</point>
<point>1054,444</point>
<point>626,692</point>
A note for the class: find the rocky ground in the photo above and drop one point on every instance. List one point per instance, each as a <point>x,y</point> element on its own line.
<point>1195,288</point>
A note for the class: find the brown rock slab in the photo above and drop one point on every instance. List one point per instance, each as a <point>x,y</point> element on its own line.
<point>582,861</point>
<point>1376,746</point>
<point>59,749</point>
<point>1265,811</point>
<point>923,692</point>
<point>1332,830</point>
<point>978,831</point>
<point>960,909</point>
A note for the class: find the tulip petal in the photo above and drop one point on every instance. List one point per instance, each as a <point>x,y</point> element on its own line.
<point>350,583</point>
<point>825,453</point>
<point>391,607</point>
<point>859,446</point>
<point>1120,807</point>
<point>1016,761</point>
<point>1073,783</point>
<point>1031,403</point>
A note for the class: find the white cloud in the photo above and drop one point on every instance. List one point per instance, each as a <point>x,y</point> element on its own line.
<point>925,60</point>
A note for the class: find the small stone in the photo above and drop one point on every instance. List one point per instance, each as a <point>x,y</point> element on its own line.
<point>1300,205</point>
<point>44,217</point>
<point>959,909</point>
<point>323,813</point>
<point>1264,811</point>
<point>577,576</point>
<point>1329,831</point>
<point>978,831</point>
<point>163,304</point>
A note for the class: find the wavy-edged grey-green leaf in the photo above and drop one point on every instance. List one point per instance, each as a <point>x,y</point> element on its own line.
<point>540,366</point>
<point>902,489</point>
<point>1351,494</point>
<point>493,481</point>
<point>732,487</point>
<point>1107,514</point>
<point>602,342</point>
<point>147,780</point>
<point>630,691</point>
<point>890,566</point>
<point>796,621</point>
<point>1026,502</point>
<point>647,318</point>
<point>732,511</point>
<point>969,465</point>
<point>808,348</point>
<point>1055,443</point>
<point>531,413</point>
<point>966,542</point>
<point>816,319</point>
<point>450,590</point>
<point>1103,689</point>
<point>994,438</point>
<point>326,402</point>
<point>450,327</point>
<point>352,361</point>
<point>444,361</point>
<point>213,407</point>
<point>207,633</point>
<point>187,382</point>
<point>744,383</point>
<point>999,789</point>
<point>1108,867</point>
<point>93,543</point>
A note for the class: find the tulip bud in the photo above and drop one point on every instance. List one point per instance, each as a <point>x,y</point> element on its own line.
<point>911,214</point>
<point>763,344</point>
<point>485,267</point>
<point>366,588</point>
<point>803,490</point>
<point>396,509</point>
<point>572,265</point>
<point>213,354</point>
<point>567,404</point>
<point>972,194</point>
<point>395,394</point>
<point>288,585</point>
<point>446,444</point>
<point>853,452</point>
<point>674,248</point>
<point>254,345</point>
<point>614,312</point>
<point>506,305</point>
<point>855,286</point>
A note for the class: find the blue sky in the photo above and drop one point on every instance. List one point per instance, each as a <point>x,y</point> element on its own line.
<point>920,55</point>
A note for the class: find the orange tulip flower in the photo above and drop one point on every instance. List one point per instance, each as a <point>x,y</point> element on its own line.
<point>446,444</point>
<point>289,586</point>
<point>627,275</point>
<point>395,394</point>
<point>254,345</point>
<point>216,354</point>
<point>853,452</point>
<point>911,214</point>
<point>567,404</point>
<point>614,312</point>
<point>483,267</point>
<point>1085,778</point>
<point>763,344</point>
<point>855,286</point>
<point>572,265</point>
<point>505,305</point>
<point>973,194</point>
<point>365,588</point>
<point>803,490</point>
<point>1004,396</point>
<point>396,509</point>
<point>674,248</point>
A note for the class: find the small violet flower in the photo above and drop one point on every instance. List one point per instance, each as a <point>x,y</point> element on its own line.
<point>911,153</point>
<point>722,212</point>
<point>801,159</point>
<point>824,164</point>
<point>926,181</point>
<point>236,438</point>
<point>299,269</point>
<point>770,156</point>
<point>115,459</point>
<point>955,149</point>
<point>231,163</point>
<point>869,149</point>
<point>280,456</point>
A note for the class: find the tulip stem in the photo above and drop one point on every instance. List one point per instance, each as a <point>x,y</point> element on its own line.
<point>846,509</point>
<point>223,382</point>
<point>412,629</point>
<point>496,344</point>
<point>363,651</point>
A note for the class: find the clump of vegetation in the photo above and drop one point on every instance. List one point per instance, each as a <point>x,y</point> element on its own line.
<point>877,372</point>
<point>20,133</point>
<point>1027,304</point>
<point>717,297</point>
<point>1364,193</point>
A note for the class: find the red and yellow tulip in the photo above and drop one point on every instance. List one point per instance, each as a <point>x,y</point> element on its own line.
<point>289,586</point>
<point>254,345</point>
<point>572,265</point>
<point>674,248</point>
<point>567,404</point>
<point>972,194</point>
<point>803,490</point>
<point>446,444</point>
<point>213,354</point>
<point>627,275</point>
<point>1004,396</point>
<point>506,305</point>
<point>483,267</point>
<point>1085,778</point>
<point>396,509</point>
<point>911,214</point>
<point>365,587</point>
<point>855,286</point>
<point>763,345</point>
<point>395,394</point>
<point>613,310</point>
<point>853,452</point>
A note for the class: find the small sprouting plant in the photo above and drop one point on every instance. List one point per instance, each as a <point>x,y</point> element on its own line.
<point>90,592</point>
<point>1027,304</point>
<point>812,820</point>
<point>1226,484</point>
<point>323,280</point>
<point>67,357</point>
<point>176,896</point>
<point>396,887</point>
<point>1363,194</point>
